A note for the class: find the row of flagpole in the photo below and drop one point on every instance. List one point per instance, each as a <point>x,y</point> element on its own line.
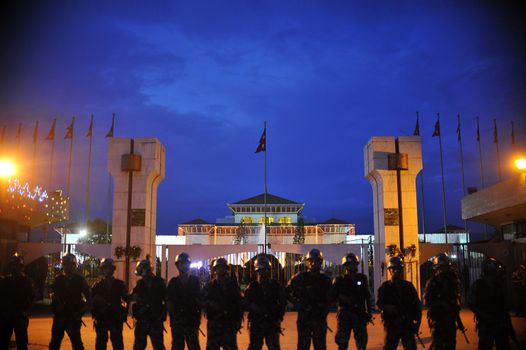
<point>69,135</point>
<point>437,133</point>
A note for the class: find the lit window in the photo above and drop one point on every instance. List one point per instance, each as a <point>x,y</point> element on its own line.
<point>270,220</point>
<point>285,220</point>
<point>246,220</point>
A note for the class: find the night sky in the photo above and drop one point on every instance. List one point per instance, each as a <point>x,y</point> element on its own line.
<point>203,76</point>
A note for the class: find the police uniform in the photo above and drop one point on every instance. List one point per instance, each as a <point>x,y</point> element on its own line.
<point>149,310</point>
<point>70,294</point>
<point>266,302</point>
<point>353,296</point>
<point>185,311</point>
<point>403,323</point>
<point>223,309</point>
<point>442,297</point>
<point>17,297</point>
<point>309,292</point>
<point>108,310</point>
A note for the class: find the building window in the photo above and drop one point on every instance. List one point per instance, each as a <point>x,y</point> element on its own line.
<point>246,220</point>
<point>270,220</point>
<point>285,220</point>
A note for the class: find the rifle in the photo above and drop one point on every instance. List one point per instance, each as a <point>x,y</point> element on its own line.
<point>202,333</point>
<point>460,327</point>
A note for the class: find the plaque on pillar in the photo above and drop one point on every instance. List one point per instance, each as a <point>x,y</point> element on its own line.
<point>138,217</point>
<point>391,216</point>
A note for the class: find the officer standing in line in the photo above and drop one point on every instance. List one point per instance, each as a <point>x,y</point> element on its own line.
<point>149,309</point>
<point>17,298</point>
<point>71,297</point>
<point>183,301</point>
<point>309,293</point>
<point>442,297</point>
<point>266,302</point>
<point>351,291</point>
<point>222,305</point>
<point>109,309</point>
<point>488,301</point>
<point>401,308</point>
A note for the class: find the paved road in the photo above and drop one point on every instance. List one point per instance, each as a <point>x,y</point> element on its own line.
<point>40,330</point>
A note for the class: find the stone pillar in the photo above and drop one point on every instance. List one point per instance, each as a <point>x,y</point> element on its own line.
<point>148,171</point>
<point>385,202</point>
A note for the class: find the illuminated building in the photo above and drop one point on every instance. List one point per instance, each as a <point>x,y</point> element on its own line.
<point>285,225</point>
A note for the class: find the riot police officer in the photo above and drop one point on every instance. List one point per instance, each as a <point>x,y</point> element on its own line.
<point>401,308</point>
<point>309,293</point>
<point>17,297</point>
<point>266,302</point>
<point>442,297</point>
<point>488,301</point>
<point>222,306</point>
<point>183,301</point>
<point>109,309</point>
<point>149,309</point>
<point>71,295</point>
<point>351,291</point>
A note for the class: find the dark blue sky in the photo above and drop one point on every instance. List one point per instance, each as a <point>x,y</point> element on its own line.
<point>203,76</point>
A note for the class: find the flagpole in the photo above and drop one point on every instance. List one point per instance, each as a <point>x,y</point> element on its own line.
<point>18,136</point>
<point>442,172</point>
<point>462,166</point>
<point>496,140</point>
<point>481,168</point>
<point>50,181</point>
<point>33,162</point>
<point>265,194</point>
<point>417,133</point>
<point>89,169</point>
<point>70,154</point>
<point>108,213</point>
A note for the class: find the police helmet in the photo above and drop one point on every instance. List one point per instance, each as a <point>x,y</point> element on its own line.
<point>395,263</point>
<point>350,259</point>
<point>315,255</point>
<point>262,262</point>
<point>491,266</point>
<point>143,267</point>
<point>16,260</point>
<point>69,258</point>
<point>441,260</point>
<point>218,262</point>
<point>182,257</point>
<point>107,262</point>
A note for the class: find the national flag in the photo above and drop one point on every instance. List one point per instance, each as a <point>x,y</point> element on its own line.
<point>436,132</point>
<point>512,133</point>
<point>18,131</point>
<point>35,133</point>
<point>478,129</point>
<point>51,133</point>
<point>69,129</point>
<point>262,147</point>
<point>459,137</point>
<point>417,126</point>
<point>90,129</point>
<point>495,134</point>
<point>110,133</point>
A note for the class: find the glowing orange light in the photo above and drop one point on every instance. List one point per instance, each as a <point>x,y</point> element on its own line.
<point>7,168</point>
<point>520,163</point>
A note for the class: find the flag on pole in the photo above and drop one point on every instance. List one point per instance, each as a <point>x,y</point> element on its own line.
<point>69,130</point>
<point>417,126</point>
<point>18,131</point>
<point>51,133</point>
<point>512,133</point>
<point>110,133</point>
<point>35,133</point>
<point>436,132</point>
<point>90,129</point>
<point>262,147</point>
<point>495,134</point>
<point>459,137</point>
<point>478,129</point>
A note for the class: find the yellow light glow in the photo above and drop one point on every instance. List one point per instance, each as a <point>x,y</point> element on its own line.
<point>7,168</point>
<point>520,163</point>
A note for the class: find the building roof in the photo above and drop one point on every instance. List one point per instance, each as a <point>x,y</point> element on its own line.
<point>271,199</point>
<point>197,221</point>
<point>335,221</point>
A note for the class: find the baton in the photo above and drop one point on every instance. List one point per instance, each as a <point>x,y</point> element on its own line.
<point>329,328</point>
<point>420,340</point>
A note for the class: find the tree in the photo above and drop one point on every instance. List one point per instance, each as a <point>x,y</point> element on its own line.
<point>299,233</point>
<point>241,234</point>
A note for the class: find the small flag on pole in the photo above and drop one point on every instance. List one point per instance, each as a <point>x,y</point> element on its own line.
<point>110,132</point>
<point>436,132</point>
<point>51,133</point>
<point>18,131</point>
<point>512,133</point>
<point>69,130</point>
<point>459,137</point>
<point>495,134</point>
<point>417,126</point>
<point>35,133</point>
<point>262,147</point>
<point>90,129</point>
<point>478,129</point>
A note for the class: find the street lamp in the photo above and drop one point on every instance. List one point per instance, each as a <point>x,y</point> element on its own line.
<point>7,168</point>
<point>520,163</point>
